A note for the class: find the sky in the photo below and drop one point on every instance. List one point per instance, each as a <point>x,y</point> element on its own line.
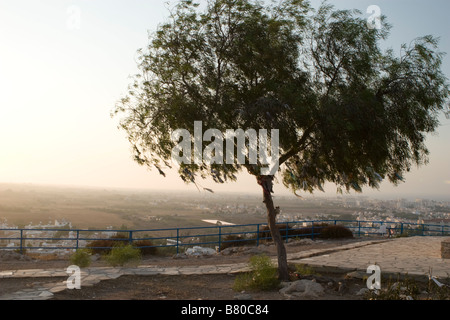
<point>65,63</point>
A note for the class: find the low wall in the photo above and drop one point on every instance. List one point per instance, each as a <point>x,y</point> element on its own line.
<point>445,249</point>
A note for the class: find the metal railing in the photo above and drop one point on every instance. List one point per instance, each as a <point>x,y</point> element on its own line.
<point>217,237</point>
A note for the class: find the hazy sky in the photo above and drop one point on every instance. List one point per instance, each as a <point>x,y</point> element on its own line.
<point>64,64</point>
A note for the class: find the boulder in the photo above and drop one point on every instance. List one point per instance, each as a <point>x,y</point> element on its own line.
<point>303,289</point>
<point>200,251</point>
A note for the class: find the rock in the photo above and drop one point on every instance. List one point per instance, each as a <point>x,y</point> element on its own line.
<point>362,292</point>
<point>303,288</point>
<point>95,257</point>
<point>200,251</point>
<point>46,294</point>
<point>243,296</point>
<point>396,286</point>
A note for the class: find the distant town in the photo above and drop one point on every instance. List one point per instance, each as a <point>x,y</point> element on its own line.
<point>105,211</point>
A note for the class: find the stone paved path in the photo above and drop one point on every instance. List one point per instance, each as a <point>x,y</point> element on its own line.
<point>413,256</point>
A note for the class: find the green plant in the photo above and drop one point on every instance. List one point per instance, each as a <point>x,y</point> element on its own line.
<point>146,247</point>
<point>104,246</point>
<point>81,258</point>
<point>262,277</point>
<point>305,270</point>
<point>399,290</point>
<point>123,254</point>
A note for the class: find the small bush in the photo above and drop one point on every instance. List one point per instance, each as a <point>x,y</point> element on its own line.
<point>145,247</point>
<point>81,258</point>
<point>336,232</point>
<point>308,231</point>
<point>104,246</point>
<point>304,270</point>
<point>124,254</point>
<point>262,277</point>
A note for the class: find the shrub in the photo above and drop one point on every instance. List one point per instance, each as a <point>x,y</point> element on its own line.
<point>399,290</point>
<point>124,254</point>
<point>145,247</point>
<point>81,258</point>
<point>336,232</point>
<point>308,231</point>
<point>104,246</point>
<point>262,277</point>
<point>304,270</point>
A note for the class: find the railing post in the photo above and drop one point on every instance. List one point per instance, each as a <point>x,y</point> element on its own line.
<point>220,237</point>
<point>423,228</point>
<point>257,235</point>
<point>21,240</point>
<point>130,238</point>
<point>178,237</point>
<point>287,231</point>
<point>78,236</point>
<point>401,228</point>
<point>312,230</point>
<point>359,229</point>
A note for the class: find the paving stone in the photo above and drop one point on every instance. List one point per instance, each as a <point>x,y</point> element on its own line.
<point>57,288</point>
<point>46,294</point>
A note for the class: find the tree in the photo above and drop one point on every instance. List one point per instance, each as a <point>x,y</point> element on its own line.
<point>347,112</point>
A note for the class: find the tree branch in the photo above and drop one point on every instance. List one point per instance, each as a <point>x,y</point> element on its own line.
<point>300,143</point>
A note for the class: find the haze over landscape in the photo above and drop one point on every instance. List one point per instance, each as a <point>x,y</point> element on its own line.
<point>64,65</point>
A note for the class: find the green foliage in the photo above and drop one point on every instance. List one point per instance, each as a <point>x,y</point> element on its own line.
<point>146,247</point>
<point>123,254</point>
<point>104,246</point>
<point>304,270</point>
<point>399,290</point>
<point>81,258</point>
<point>408,288</point>
<point>262,277</point>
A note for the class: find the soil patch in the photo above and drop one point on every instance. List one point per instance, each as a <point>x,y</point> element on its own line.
<point>193,287</point>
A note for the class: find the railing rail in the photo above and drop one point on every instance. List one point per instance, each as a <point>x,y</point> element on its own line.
<point>218,236</point>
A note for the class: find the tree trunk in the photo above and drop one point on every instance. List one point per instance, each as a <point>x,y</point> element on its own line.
<point>266,184</point>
